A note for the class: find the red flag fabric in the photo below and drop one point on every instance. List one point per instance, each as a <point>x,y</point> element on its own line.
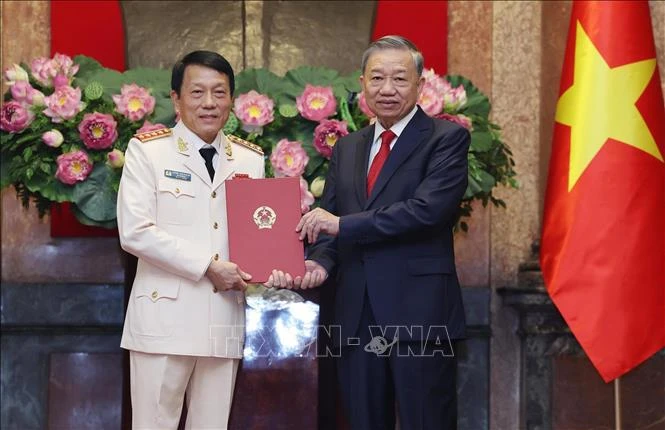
<point>424,22</point>
<point>603,239</point>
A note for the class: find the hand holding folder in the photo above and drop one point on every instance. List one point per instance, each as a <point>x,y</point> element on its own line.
<point>262,215</point>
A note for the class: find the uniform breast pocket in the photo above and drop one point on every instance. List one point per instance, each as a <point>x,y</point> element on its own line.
<point>176,202</point>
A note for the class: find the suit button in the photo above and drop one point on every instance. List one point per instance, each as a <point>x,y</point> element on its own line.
<point>214,194</point>
<point>216,257</point>
<point>177,190</point>
<point>154,294</point>
<point>215,226</point>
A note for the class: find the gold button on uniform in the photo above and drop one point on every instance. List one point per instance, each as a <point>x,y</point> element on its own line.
<point>214,194</point>
<point>177,190</point>
<point>215,226</point>
<point>216,257</point>
<point>154,294</point>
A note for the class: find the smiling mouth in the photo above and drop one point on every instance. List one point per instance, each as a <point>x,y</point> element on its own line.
<point>208,116</point>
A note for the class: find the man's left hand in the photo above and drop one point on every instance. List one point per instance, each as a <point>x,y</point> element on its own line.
<point>315,222</point>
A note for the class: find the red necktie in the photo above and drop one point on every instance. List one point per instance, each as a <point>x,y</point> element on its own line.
<point>386,137</point>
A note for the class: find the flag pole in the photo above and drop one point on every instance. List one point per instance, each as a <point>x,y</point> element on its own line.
<point>617,404</point>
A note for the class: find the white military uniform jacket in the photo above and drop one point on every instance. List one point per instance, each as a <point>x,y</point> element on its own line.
<point>173,219</point>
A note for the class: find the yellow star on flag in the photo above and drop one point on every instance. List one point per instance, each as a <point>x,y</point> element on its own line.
<point>601,105</point>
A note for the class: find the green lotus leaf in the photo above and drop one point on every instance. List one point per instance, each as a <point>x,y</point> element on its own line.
<point>83,219</point>
<point>95,196</point>
<point>481,141</point>
<point>264,82</point>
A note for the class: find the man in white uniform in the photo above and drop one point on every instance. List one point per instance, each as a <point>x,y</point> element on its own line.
<point>185,320</point>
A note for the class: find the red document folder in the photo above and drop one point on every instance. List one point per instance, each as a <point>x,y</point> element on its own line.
<point>262,216</point>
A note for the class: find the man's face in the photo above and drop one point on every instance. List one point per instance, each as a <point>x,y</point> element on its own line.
<point>391,84</point>
<point>205,101</point>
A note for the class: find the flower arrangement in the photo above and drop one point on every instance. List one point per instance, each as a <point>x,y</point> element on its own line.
<point>66,123</point>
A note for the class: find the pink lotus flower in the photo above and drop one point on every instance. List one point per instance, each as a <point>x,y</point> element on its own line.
<point>316,103</point>
<point>460,119</point>
<point>430,100</point>
<point>53,138</point>
<point>288,159</point>
<point>115,158</point>
<point>58,71</point>
<point>254,110</point>
<point>15,74</point>
<point>306,198</point>
<point>22,92</point>
<point>65,69</point>
<point>362,104</point>
<point>433,80</point>
<point>15,117</point>
<point>454,98</point>
<point>42,70</point>
<point>73,167</point>
<point>326,135</point>
<point>148,126</point>
<point>134,102</point>
<point>98,130</point>
<point>63,104</point>
<point>437,88</point>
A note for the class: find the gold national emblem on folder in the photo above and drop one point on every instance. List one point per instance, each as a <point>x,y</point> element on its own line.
<point>264,217</point>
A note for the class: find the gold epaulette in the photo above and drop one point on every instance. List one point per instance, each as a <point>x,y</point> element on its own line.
<point>242,142</point>
<point>151,135</point>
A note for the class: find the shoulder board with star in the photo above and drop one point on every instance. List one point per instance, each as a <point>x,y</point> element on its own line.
<point>155,134</point>
<point>242,142</point>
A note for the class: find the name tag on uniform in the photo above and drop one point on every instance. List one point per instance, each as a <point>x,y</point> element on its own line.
<point>182,176</point>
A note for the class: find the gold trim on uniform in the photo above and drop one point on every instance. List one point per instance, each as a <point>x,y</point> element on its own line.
<point>228,150</point>
<point>242,142</point>
<point>182,146</point>
<point>151,135</point>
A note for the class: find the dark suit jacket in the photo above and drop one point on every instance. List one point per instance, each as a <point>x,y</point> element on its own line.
<point>398,242</point>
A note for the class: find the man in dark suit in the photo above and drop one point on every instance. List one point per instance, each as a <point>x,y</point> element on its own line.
<point>384,230</point>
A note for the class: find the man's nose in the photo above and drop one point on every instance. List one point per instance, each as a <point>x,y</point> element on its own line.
<point>208,100</point>
<point>388,87</point>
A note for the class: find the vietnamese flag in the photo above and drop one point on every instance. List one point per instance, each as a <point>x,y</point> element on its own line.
<point>603,241</point>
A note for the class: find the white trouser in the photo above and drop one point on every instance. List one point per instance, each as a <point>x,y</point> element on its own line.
<point>159,383</point>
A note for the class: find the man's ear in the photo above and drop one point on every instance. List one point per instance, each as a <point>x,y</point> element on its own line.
<point>421,82</point>
<point>176,101</point>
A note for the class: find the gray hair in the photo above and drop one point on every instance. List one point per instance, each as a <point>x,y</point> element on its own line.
<point>394,42</point>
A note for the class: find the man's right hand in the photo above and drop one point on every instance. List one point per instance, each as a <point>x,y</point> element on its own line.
<point>225,276</point>
<point>315,275</point>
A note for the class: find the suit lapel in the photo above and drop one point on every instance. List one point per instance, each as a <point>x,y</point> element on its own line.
<point>362,158</point>
<point>412,136</point>
<point>195,163</point>
<point>224,169</point>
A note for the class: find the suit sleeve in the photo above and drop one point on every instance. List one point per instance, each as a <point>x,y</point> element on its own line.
<point>139,233</point>
<point>324,251</point>
<point>435,200</point>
